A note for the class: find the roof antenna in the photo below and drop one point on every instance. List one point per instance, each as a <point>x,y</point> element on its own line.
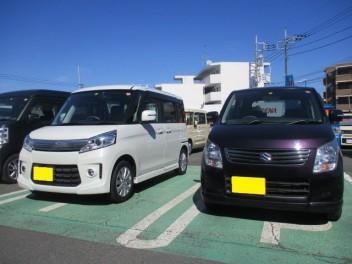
<point>80,85</point>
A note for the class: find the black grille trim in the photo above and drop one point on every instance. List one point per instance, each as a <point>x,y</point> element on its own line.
<point>64,175</point>
<point>267,156</point>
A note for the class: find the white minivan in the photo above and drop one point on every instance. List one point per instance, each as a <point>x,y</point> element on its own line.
<point>104,140</point>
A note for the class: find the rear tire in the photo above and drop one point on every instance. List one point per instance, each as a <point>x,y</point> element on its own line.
<point>182,162</point>
<point>121,186</point>
<point>10,169</point>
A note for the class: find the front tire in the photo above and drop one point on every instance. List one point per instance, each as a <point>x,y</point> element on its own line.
<point>10,169</point>
<point>182,163</point>
<point>121,186</point>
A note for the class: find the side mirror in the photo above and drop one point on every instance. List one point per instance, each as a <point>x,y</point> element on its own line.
<point>335,115</point>
<point>148,115</point>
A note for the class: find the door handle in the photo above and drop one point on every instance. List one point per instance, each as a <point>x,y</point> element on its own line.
<point>160,131</point>
<point>168,131</point>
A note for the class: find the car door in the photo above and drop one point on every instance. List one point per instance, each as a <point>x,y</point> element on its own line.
<point>173,131</point>
<point>152,142</point>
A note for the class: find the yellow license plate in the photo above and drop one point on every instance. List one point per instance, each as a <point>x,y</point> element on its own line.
<point>43,174</point>
<point>248,185</point>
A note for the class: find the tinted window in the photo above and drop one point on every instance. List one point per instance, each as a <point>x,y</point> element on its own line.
<point>169,112</point>
<point>11,107</point>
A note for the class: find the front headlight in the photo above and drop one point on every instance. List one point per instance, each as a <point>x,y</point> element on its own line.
<point>212,155</point>
<point>100,141</point>
<point>4,135</point>
<point>327,157</point>
<point>28,143</point>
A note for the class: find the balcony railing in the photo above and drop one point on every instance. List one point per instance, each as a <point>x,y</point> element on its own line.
<point>212,79</point>
<point>344,77</point>
<point>344,107</point>
<point>212,97</point>
<point>340,92</point>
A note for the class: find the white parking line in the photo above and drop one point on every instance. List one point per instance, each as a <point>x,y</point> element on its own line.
<point>13,199</point>
<point>271,230</point>
<point>348,178</point>
<point>129,238</point>
<point>11,193</point>
<point>52,207</point>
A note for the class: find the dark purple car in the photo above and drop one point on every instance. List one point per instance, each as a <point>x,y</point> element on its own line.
<point>274,148</point>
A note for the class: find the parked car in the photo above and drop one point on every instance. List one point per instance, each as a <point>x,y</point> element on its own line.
<point>274,148</point>
<point>104,140</point>
<point>346,130</point>
<point>20,113</point>
<point>197,128</point>
<point>334,125</point>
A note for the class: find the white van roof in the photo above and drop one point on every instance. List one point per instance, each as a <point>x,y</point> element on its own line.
<point>125,87</point>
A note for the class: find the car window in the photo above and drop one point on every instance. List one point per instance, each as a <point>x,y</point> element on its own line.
<point>95,107</point>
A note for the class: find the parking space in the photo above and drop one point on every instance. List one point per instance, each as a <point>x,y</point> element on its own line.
<point>166,215</point>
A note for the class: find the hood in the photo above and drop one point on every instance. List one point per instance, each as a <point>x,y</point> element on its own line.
<point>279,136</point>
<point>69,132</point>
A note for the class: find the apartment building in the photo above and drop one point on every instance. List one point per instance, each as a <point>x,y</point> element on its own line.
<point>338,86</point>
<point>209,89</point>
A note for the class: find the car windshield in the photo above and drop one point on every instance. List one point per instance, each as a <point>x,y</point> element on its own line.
<point>95,107</point>
<point>265,105</point>
<point>12,106</point>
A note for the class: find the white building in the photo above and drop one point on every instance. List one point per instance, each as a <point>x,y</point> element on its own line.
<point>191,92</point>
<point>216,81</point>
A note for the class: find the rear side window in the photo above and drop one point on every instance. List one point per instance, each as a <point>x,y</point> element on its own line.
<point>200,117</point>
<point>169,112</point>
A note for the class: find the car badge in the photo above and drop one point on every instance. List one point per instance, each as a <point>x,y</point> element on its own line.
<point>265,156</point>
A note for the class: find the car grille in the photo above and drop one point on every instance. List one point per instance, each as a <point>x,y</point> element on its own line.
<point>267,156</point>
<point>281,187</point>
<point>64,175</point>
<point>59,145</point>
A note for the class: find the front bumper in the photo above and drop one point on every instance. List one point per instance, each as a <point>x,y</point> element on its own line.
<point>324,193</point>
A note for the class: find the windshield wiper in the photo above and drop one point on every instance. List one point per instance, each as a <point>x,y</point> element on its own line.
<point>253,122</point>
<point>305,121</point>
<point>70,124</point>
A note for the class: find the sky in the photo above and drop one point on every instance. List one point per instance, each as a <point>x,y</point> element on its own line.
<point>147,42</point>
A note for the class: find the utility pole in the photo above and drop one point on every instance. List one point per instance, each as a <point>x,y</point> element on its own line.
<point>258,58</point>
<point>286,43</point>
<point>286,52</point>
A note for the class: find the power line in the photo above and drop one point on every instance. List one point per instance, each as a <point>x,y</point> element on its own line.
<point>323,46</point>
<point>35,80</point>
<point>337,32</point>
